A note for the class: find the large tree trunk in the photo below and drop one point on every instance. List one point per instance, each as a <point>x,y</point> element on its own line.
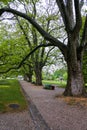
<point>75,81</point>
<point>29,77</point>
<point>38,74</point>
<point>39,78</point>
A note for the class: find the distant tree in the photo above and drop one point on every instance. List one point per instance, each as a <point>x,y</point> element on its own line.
<point>33,38</point>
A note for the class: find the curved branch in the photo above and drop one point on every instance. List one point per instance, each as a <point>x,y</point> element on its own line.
<point>46,35</point>
<point>26,57</point>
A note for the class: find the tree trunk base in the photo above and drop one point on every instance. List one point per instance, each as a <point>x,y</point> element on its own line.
<point>38,84</point>
<point>68,92</point>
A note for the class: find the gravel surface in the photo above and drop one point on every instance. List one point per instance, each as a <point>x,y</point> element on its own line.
<point>16,121</point>
<point>46,112</point>
<point>55,111</point>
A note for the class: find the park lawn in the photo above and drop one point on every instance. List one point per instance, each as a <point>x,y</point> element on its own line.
<point>61,84</point>
<point>11,93</point>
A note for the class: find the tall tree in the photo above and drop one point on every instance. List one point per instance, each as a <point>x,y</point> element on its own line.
<point>33,38</point>
<point>72,51</point>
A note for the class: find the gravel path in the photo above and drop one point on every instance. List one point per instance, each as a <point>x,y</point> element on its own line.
<point>16,121</point>
<point>57,114</point>
<point>46,112</point>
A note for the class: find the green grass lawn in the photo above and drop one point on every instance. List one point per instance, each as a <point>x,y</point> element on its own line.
<point>10,93</point>
<point>58,83</point>
<point>61,84</point>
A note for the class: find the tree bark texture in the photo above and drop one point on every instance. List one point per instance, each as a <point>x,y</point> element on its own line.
<point>29,76</point>
<point>75,80</point>
<point>38,74</point>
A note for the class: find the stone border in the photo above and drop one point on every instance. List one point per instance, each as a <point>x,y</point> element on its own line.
<point>39,122</point>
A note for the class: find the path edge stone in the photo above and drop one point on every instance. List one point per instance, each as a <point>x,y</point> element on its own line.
<point>39,122</point>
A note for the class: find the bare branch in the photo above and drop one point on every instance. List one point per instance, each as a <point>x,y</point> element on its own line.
<point>47,55</point>
<point>78,17</point>
<point>64,14</point>
<point>70,11</point>
<point>81,4</point>
<point>56,28</point>
<point>34,9</point>
<point>12,18</point>
<point>24,32</point>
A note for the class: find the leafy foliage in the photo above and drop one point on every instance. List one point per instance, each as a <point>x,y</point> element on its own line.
<point>85,66</point>
<point>6,1</point>
<point>13,48</point>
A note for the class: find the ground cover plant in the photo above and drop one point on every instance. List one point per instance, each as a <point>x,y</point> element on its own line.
<point>11,96</point>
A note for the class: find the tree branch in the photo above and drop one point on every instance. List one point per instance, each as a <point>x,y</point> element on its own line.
<point>27,56</point>
<point>64,14</point>
<point>24,32</point>
<point>47,55</point>
<point>69,7</point>
<point>12,18</point>
<point>84,35</point>
<point>81,4</point>
<point>46,35</point>
<point>78,17</point>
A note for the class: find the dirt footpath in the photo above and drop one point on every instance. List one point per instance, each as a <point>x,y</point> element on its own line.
<point>55,111</point>
<point>16,121</point>
<point>46,112</point>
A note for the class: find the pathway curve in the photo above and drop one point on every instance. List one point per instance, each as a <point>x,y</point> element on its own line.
<point>56,114</point>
